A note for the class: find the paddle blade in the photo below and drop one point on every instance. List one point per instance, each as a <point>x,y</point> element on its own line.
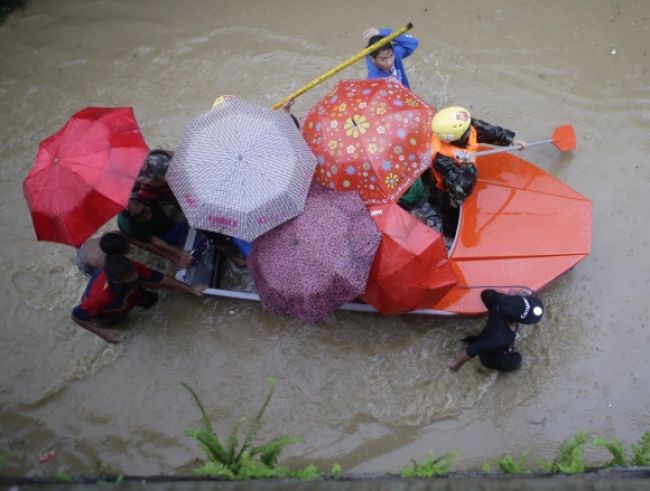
<point>564,138</point>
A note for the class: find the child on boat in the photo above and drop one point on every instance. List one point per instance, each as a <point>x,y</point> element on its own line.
<point>386,61</point>
<point>495,343</point>
<point>452,176</point>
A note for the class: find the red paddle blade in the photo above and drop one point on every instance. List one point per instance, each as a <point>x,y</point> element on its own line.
<point>564,138</point>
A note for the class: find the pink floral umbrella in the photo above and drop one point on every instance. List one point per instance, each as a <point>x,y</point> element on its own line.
<point>316,262</point>
<point>371,136</point>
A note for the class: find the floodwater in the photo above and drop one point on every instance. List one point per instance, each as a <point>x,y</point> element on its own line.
<point>365,391</point>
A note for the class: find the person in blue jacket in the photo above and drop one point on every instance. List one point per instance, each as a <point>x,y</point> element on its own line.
<point>387,60</point>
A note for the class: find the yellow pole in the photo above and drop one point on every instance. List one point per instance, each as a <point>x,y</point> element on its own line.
<point>342,65</point>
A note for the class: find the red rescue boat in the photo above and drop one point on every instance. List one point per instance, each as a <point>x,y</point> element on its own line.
<point>520,228</point>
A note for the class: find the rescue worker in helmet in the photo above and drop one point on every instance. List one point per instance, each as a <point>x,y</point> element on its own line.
<point>456,136</point>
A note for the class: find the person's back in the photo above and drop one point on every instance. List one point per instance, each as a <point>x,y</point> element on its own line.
<point>92,253</point>
<point>494,345</point>
<point>386,61</point>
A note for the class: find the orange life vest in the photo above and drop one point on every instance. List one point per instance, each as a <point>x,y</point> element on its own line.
<point>449,150</point>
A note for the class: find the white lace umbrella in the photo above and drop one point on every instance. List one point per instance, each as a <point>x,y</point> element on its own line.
<point>241,169</point>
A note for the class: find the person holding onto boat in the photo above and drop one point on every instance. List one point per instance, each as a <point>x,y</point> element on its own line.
<point>93,252</point>
<point>495,344</point>
<point>118,287</point>
<point>386,61</point>
<point>456,136</point>
<point>147,226</point>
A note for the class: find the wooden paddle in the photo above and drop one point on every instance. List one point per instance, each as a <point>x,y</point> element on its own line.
<point>564,138</point>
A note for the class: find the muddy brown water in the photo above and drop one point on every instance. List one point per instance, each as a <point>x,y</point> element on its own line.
<point>365,391</point>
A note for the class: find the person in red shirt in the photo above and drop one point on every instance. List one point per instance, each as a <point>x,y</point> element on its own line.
<point>116,289</point>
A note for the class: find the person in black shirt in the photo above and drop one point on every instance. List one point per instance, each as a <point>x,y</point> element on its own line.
<point>495,344</point>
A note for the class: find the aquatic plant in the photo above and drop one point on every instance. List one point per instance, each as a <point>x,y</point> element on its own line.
<point>4,459</point>
<point>237,460</point>
<point>615,448</point>
<point>641,451</point>
<point>438,466</point>
<point>569,458</point>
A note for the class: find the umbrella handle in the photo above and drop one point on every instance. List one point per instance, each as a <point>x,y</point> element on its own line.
<point>342,65</point>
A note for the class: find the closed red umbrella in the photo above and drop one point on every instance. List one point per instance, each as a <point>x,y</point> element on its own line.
<point>411,269</point>
<point>84,173</point>
<point>371,136</point>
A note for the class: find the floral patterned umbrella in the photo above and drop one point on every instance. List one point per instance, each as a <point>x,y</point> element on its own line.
<point>372,136</point>
<point>316,262</point>
<point>411,269</point>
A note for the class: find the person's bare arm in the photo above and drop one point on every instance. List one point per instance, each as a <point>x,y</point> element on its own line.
<point>95,327</point>
<point>170,283</point>
<point>459,361</point>
<point>180,259</point>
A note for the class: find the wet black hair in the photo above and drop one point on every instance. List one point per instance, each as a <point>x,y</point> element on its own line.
<point>156,163</point>
<point>112,243</point>
<point>385,47</point>
<point>117,267</point>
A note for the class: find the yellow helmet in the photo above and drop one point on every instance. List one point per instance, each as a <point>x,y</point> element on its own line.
<point>451,123</point>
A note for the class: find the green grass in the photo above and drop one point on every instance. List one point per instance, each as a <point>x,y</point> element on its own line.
<point>569,458</point>
<point>238,457</point>
<point>615,448</point>
<point>61,477</point>
<point>509,465</point>
<point>433,467</point>
<point>641,450</point>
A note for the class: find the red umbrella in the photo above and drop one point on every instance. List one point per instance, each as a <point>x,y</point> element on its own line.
<point>372,136</point>
<point>411,268</point>
<point>84,173</point>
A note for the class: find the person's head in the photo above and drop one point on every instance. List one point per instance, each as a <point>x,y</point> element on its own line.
<point>113,243</point>
<point>384,56</point>
<point>139,211</point>
<point>156,165</point>
<point>451,123</point>
<point>120,269</point>
<point>527,309</point>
